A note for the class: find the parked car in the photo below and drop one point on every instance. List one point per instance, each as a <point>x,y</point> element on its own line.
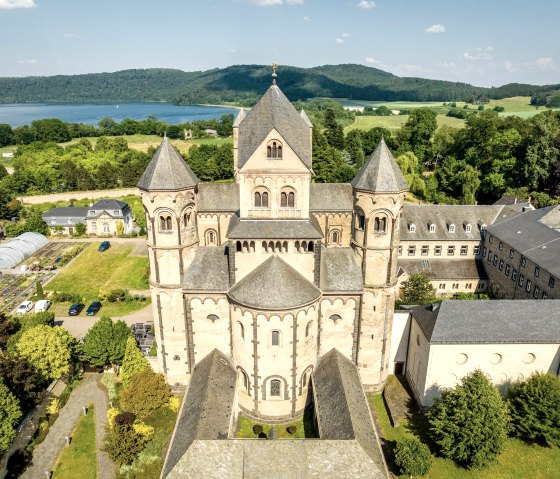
<point>104,246</point>
<point>25,307</point>
<point>42,305</point>
<point>93,308</point>
<point>75,309</point>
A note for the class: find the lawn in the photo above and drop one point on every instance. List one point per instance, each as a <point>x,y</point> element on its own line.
<point>394,122</point>
<point>79,460</point>
<point>304,425</point>
<point>92,271</point>
<point>518,460</point>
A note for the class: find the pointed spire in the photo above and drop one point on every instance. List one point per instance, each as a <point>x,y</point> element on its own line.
<point>167,170</point>
<point>274,74</point>
<point>380,173</point>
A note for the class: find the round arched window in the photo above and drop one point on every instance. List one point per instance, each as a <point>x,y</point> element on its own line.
<point>495,358</point>
<point>529,358</point>
<point>335,318</point>
<point>461,358</point>
<point>212,317</point>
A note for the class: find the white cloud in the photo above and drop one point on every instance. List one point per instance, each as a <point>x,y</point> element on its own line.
<point>307,19</point>
<point>367,5</point>
<point>437,28</point>
<point>72,35</point>
<point>339,40</point>
<point>294,2</point>
<point>345,35</point>
<point>269,3</point>
<point>29,62</point>
<point>372,61</point>
<point>11,4</point>
<point>479,54</point>
<point>546,63</point>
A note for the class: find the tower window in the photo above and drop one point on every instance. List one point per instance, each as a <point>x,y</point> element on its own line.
<point>335,318</point>
<point>380,224</point>
<point>241,330</point>
<point>335,237</point>
<point>274,150</point>
<point>213,318</point>
<point>165,223</point>
<point>308,329</point>
<point>211,238</point>
<point>275,338</point>
<point>275,387</point>
<point>360,220</point>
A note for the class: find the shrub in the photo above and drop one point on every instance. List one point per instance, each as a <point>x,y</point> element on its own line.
<point>117,295</point>
<point>413,458</point>
<point>145,393</point>
<point>125,420</point>
<point>174,403</point>
<point>257,429</point>
<point>112,413</point>
<point>63,297</point>
<point>122,444</point>
<point>110,382</point>
<point>143,429</point>
<point>291,429</point>
<point>53,407</point>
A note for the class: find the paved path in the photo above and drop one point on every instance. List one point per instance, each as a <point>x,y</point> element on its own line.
<point>45,454</point>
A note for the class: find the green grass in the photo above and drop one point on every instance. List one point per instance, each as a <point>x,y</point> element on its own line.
<point>112,269</point>
<point>79,460</point>
<point>517,461</point>
<point>394,122</point>
<point>304,425</point>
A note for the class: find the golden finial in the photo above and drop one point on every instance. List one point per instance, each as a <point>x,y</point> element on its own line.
<point>274,74</point>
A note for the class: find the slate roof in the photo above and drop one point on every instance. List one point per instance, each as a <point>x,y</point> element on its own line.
<point>274,285</point>
<point>274,110</point>
<point>331,197</point>
<point>339,271</point>
<point>444,215</point>
<point>239,118</point>
<point>490,321</point>
<point>67,216</point>
<point>286,459</point>
<point>273,229</point>
<point>214,197</point>
<point>208,270</point>
<point>341,406</point>
<point>380,173</point>
<point>534,239</point>
<point>167,171</point>
<point>109,207</point>
<point>206,412</point>
<point>444,268</point>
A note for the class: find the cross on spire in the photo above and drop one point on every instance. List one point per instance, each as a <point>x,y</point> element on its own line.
<point>274,74</point>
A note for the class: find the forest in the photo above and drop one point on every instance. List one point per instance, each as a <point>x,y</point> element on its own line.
<point>244,84</point>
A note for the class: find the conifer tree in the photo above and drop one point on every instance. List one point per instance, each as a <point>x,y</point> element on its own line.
<point>133,361</point>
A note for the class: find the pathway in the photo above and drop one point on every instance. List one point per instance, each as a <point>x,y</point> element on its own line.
<point>45,454</point>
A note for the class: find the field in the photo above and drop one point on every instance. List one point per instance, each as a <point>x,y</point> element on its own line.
<point>518,461</point>
<point>79,460</point>
<point>118,267</point>
<point>396,121</point>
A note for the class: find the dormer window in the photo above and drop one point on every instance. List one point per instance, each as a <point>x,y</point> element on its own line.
<point>274,150</point>
<point>482,227</point>
<point>412,228</point>
<point>451,228</point>
<point>468,228</point>
<point>91,212</point>
<point>432,228</point>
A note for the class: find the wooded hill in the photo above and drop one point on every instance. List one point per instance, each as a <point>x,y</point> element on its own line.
<point>244,84</point>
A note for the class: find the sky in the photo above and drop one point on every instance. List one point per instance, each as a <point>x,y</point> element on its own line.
<point>482,42</point>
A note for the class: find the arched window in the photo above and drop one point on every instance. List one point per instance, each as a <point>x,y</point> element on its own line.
<point>287,199</point>
<point>360,220</point>
<point>275,338</point>
<point>335,318</point>
<point>261,198</point>
<point>213,318</point>
<point>452,228</point>
<point>165,222</point>
<point>432,228</point>
<point>238,246</point>
<point>308,329</point>
<point>380,224</point>
<point>245,379</point>
<point>335,237</point>
<point>310,247</point>
<point>285,247</point>
<point>275,387</point>
<point>412,228</point>
<point>241,329</point>
<point>274,150</point>
<point>211,238</point>
<point>188,217</point>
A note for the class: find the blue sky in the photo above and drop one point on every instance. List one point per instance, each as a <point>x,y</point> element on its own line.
<point>483,42</point>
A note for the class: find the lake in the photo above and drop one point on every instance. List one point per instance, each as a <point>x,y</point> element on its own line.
<point>24,113</point>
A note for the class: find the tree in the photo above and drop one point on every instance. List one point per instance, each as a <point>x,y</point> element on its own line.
<point>27,385</point>
<point>120,228</point>
<point>413,458</point>
<point>133,361</point>
<point>418,290</point>
<point>470,422</point>
<point>333,131</point>
<point>10,413</point>
<point>48,350</point>
<point>145,392</point>
<point>469,178</point>
<point>8,327</point>
<point>122,444</point>
<point>106,342</point>
<point>416,133</point>
<point>80,229</point>
<point>6,135</point>
<point>51,129</point>
<point>535,408</point>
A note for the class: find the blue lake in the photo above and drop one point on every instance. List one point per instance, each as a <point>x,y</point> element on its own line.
<point>24,113</point>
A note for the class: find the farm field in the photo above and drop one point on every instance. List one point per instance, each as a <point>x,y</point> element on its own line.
<point>396,121</point>
<point>517,461</point>
<point>117,268</point>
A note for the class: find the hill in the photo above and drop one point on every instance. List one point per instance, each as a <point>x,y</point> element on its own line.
<point>244,84</point>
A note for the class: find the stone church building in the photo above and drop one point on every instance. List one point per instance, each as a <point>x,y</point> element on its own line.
<point>273,271</point>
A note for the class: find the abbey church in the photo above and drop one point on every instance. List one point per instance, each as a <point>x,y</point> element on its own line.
<point>273,270</point>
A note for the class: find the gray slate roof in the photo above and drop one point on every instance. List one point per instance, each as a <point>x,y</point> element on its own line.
<point>207,409</point>
<point>167,171</point>
<point>444,268</point>
<point>208,270</point>
<point>273,229</point>
<point>341,406</point>
<point>339,271</point>
<point>490,321</point>
<point>444,215</point>
<point>274,110</point>
<point>331,197</point>
<point>534,239</point>
<point>380,173</point>
<point>217,197</point>
<point>274,285</point>
<point>239,118</point>
<point>109,207</point>
<point>285,458</point>
<point>67,216</point>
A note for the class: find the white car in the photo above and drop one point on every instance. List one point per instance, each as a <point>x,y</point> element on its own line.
<point>25,307</point>
<point>42,305</point>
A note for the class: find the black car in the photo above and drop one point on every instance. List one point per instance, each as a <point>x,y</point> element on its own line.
<point>75,309</point>
<point>93,308</point>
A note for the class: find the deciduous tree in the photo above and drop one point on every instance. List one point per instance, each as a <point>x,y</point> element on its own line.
<point>10,413</point>
<point>145,392</point>
<point>106,342</point>
<point>418,290</point>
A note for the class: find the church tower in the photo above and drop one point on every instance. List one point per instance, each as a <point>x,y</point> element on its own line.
<point>379,191</point>
<point>168,189</point>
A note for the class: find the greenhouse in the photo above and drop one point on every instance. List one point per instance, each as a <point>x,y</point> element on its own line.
<point>19,249</point>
